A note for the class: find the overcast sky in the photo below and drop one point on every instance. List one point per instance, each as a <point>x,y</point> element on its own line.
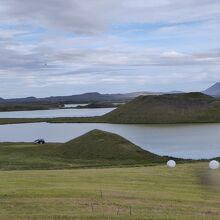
<point>63,47</point>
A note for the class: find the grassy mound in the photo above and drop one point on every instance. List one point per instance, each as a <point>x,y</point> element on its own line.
<point>94,149</point>
<point>101,145</point>
<point>169,108</point>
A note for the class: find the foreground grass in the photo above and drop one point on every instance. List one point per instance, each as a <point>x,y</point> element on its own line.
<point>29,156</point>
<point>115,193</point>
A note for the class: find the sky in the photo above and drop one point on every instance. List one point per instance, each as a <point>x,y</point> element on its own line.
<point>65,47</point>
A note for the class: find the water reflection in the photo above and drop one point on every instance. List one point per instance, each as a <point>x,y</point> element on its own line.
<point>56,113</point>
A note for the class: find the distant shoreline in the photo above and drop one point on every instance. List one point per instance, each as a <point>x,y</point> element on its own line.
<point>187,108</point>
<point>13,107</point>
<point>96,119</point>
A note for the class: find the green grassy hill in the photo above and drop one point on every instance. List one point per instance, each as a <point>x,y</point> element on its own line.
<point>102,145</point>
<point>170,108</point>
<point>94,149</point>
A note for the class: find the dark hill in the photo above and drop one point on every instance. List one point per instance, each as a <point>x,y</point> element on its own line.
<point>101,145</point>
<point>81,98</point>
<point>86,97</point>
<point>1,99</point>
<point>169,108</point>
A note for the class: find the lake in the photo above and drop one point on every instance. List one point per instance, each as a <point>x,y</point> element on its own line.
<point>187,140</point>
<point>86,112</point>
<point>74,105</point>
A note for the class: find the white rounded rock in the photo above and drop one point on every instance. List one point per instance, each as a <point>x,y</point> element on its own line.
<point>171,163</point>
<point>213,164</point>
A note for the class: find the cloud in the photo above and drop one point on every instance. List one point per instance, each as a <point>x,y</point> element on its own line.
<point>89,44</point>
<point>53,57</point>
<point>134,56</point>
<point>94,16</point>
<point>69,15</point>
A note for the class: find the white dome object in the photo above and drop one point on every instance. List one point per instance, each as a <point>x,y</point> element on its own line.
<point>171,163</point>
<point>213,164</point>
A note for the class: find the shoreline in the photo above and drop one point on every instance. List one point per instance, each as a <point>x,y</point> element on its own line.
<point>95,119</point>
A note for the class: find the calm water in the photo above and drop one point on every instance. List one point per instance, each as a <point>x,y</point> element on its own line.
<point>188,141</point>
<point>73,105</point>
<point>56,113</point>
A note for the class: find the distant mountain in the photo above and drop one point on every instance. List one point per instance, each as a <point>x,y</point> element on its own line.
<point>87,97</point>
<point>213,90</point>
<point>1,100</point>
<point>175,92</point>
<point>22,100</point>
<point>82,98</point>
<point>133,95</point>
<point>168,108</point>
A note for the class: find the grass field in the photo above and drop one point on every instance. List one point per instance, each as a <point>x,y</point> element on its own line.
<point>93,149</point>
<point>41,182</point>
<point>29,156</point>
<point>115,193</point>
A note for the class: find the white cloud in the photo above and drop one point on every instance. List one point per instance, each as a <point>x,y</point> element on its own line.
<point>173,54</point>
<point>92,16</point>
<point>79,46</point>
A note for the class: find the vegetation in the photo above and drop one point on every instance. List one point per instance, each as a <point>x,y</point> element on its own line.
<point>27,107</point>
<point>94,149</point>
<point>101,105</point>
<point>153,193</point>
<point>131,188</point>
<point>5,107</point>
<point>4,121</point>
<point>172,108</point>
<point>103,145</point>
<point>51,120</point>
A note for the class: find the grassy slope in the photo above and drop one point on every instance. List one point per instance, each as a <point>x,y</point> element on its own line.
<point>116,193</point>
<point>94,149</point>
<point>174,108</point>
<point>98,144</point>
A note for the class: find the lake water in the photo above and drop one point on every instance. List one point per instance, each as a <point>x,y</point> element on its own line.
<point>56,113</point>
<point>74,105</point>
<point>187,141</point>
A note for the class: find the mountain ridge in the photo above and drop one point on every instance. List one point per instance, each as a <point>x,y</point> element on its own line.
<point>214,90</point>
<point>80,98</point>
